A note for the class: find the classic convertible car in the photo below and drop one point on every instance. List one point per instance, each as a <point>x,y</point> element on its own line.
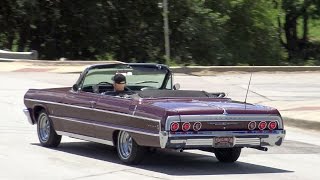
<point>151,113</point>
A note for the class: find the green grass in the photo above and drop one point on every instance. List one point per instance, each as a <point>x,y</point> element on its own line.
<point>314,29</point>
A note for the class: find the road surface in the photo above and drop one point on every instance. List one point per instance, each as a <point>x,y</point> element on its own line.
<point>22,157</point>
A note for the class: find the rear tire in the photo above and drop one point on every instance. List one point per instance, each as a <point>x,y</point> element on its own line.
<point>128,150</point>
<point>46,133</point>
<point>227,155</point>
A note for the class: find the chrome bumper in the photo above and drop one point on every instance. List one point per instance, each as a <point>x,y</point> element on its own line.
<point>241,139</point>
<point>27,113</point>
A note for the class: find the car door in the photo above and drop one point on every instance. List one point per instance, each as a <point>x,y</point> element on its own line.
<point>113,112</point>
<point>79,112</point>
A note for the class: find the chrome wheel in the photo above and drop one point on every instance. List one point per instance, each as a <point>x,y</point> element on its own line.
<point>44,128</point>
<point>125,145</point>
<point>46,133</point>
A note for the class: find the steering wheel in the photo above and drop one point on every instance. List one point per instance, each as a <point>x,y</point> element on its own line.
<point>105,82</point>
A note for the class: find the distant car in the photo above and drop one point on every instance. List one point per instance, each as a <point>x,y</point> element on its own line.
<point>152,113</point>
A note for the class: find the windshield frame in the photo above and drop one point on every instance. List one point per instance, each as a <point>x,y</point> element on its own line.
<point>164,84</point>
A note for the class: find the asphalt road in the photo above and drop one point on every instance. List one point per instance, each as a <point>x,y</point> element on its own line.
<point>21,156</point>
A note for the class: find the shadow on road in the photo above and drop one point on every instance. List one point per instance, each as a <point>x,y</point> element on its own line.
<point>168,162</point>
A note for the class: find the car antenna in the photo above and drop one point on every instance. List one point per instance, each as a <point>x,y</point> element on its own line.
<point>245,100</point>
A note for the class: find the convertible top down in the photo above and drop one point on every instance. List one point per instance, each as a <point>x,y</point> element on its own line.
<point>151,113</point>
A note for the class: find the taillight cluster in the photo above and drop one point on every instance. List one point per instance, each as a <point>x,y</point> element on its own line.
<point>174,126</point>
<point>185,126</point>
<point>262,125</point>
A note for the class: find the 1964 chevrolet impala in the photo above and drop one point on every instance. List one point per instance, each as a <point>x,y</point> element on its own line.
<point>152,113</point>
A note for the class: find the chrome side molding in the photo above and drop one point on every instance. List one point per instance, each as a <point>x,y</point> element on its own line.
<point>86,138</point>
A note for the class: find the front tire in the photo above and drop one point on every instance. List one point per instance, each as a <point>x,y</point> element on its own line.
<point>227,154</point>
<point>46,133</point>
<point>128,150</point>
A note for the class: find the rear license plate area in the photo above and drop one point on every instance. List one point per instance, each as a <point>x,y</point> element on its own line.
<point>223,142</point>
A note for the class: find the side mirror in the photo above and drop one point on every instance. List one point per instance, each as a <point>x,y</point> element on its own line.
<point>75,87</point>
<point>176,86</point>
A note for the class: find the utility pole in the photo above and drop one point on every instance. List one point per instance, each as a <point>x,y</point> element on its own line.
<point>166,29</point>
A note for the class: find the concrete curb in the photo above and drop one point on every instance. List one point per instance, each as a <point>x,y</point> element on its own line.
<point>10,55</point>
<point>303,124</point>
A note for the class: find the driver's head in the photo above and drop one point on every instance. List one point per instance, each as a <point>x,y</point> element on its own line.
<point>119,82</point>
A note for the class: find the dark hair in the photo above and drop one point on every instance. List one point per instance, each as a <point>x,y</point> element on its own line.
<point>119,78</point>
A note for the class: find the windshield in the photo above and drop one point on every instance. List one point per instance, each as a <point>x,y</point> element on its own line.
<point>137,76</point>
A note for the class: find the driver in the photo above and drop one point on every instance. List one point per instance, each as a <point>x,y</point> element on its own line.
<point>119,83</point>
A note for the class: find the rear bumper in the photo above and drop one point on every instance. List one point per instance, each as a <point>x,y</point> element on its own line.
<point>205,140</point>
<point>27,113</point>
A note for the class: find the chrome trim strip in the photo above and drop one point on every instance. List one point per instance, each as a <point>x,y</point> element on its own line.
<point>234,117</point>
<point>209,141</point>
<point>272,140</point>
<point>231,133</point>
<point>105,126</point>
<point>199,142</point>
<point>246,141</point>
<point>93,109</point>
<point>87,138</point>
<point>27,113</point>
<point>223,117</point>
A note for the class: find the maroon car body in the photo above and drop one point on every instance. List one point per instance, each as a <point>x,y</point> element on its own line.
<point>150,116</point>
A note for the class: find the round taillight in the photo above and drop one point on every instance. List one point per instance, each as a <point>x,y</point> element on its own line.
<point>252,125</point>
<point>174,126</point>
<point>186,126</point>
<point>197,126</point>
<point>272,125</point>
<point>262,125</point>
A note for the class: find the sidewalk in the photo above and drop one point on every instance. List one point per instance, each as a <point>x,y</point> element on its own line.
<point>302,113</point>
<point>299,114</point>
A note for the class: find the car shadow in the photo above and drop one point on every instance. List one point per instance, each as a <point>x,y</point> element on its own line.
<point>168,162</point>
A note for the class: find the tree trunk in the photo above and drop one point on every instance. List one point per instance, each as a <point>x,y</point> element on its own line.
<point>10,38</point>
<point>22,39</point>
<point>290,28</point>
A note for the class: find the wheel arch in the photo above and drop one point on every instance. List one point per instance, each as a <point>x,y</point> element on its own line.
<point>115,137</point>
<point>36,111</point>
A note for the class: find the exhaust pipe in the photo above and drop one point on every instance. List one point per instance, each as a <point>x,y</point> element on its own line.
<point>260,148</point>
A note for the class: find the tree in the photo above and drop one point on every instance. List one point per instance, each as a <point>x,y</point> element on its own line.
<point>296,46</point>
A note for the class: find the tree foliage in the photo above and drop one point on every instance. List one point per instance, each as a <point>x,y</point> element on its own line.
<point>204,32</point>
